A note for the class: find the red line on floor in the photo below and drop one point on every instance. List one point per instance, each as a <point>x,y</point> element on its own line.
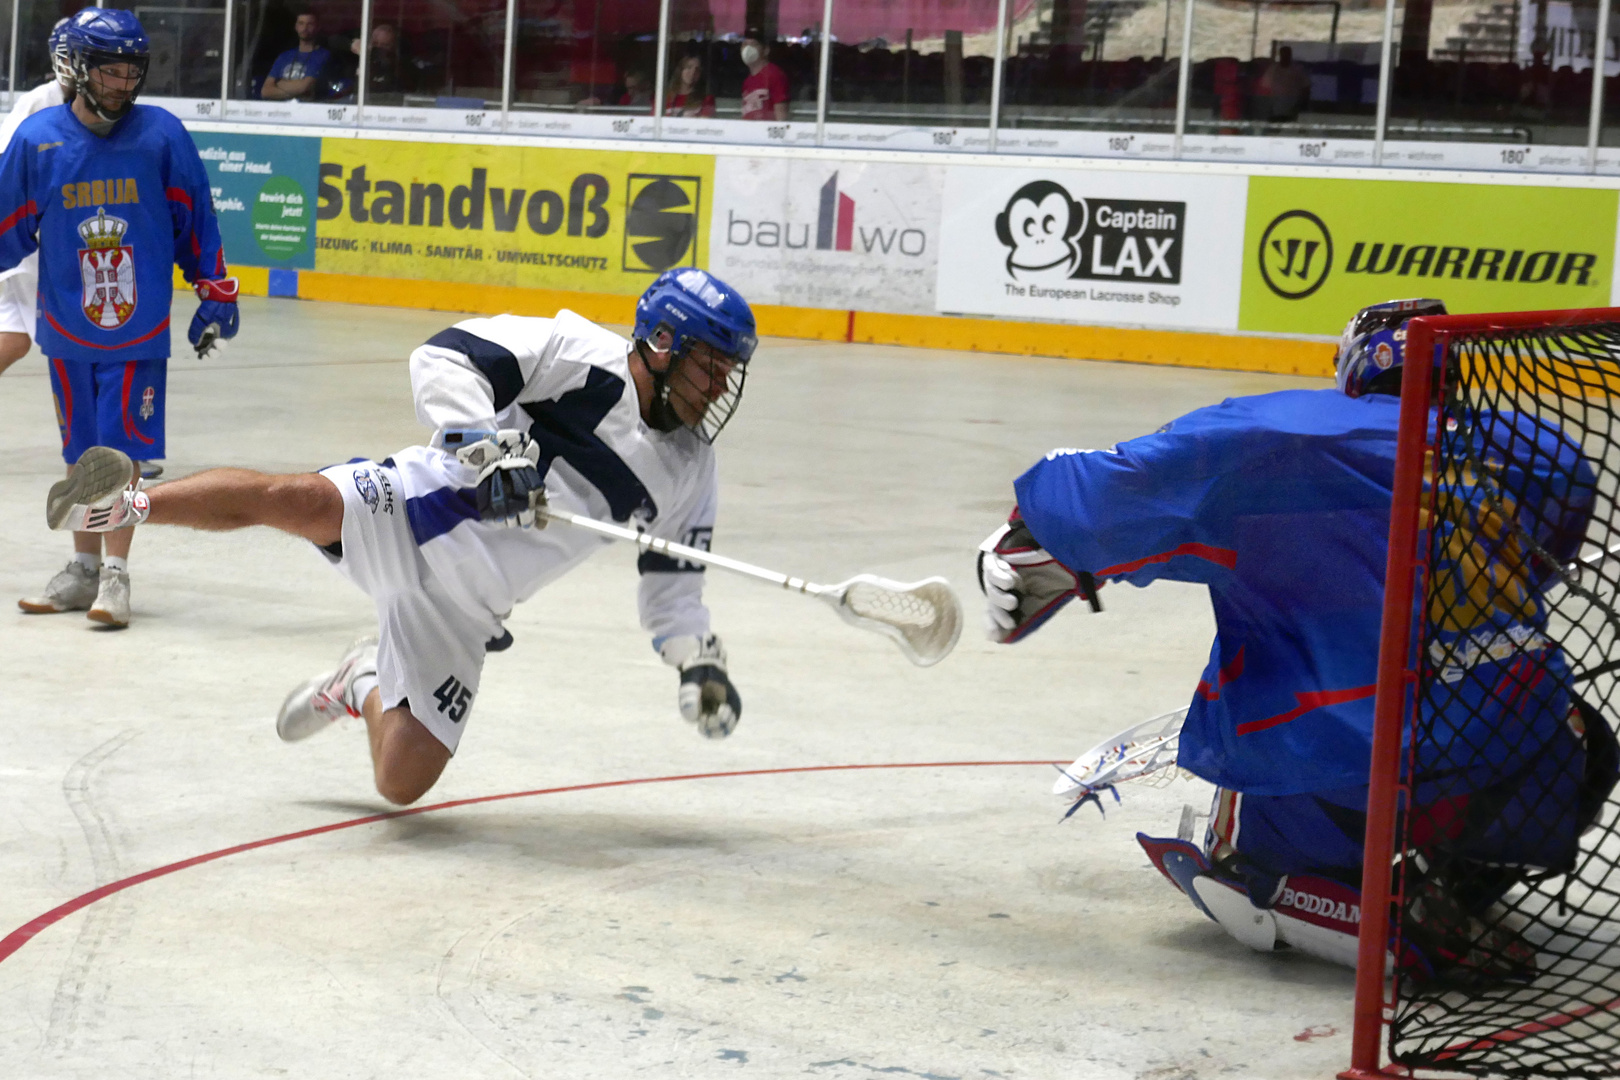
<point>1526,1030</point>
<point>26,932</point>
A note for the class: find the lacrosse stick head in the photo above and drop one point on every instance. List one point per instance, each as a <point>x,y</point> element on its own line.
<point>1147,748</point>
<point>923,617</point>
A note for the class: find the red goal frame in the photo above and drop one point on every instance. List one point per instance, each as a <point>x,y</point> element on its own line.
<point>1396,680</point>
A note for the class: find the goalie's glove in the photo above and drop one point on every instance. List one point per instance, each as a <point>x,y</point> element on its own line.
<point>510,487</point>
<point>217,318</point>
<point>706,697</point>
<point>1023,584</point>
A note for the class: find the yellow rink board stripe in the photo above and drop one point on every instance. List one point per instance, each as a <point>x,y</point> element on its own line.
<point>1231,352</point>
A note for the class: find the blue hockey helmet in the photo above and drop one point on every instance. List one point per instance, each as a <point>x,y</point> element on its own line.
<point>96,37</point>
<point>1374,344</point>
<point>57,46</point>
<point>693,306</point>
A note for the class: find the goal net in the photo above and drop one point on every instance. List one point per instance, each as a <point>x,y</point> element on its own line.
<point>1495,759</point>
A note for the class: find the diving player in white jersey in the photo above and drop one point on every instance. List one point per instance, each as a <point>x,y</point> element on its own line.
<point>19,288</point>
<point>525,412</point>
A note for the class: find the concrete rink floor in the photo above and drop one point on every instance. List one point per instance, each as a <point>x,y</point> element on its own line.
<point>919,922</point>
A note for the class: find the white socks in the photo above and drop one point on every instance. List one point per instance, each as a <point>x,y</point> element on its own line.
<point>362,687</point>
<point>94,563</point>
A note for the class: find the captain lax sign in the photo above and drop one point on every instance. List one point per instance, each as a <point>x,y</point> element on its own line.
<point>1121,248</point>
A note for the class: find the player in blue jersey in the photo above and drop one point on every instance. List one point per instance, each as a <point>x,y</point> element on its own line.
<point>1280,505</point>
<point>111,195</point>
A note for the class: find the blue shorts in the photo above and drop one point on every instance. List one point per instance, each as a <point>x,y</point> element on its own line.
<point>116,403</point>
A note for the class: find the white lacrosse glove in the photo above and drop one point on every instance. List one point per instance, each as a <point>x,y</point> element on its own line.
<point>510,487</point>
<point>1023,584</point>
<point>706,697</point>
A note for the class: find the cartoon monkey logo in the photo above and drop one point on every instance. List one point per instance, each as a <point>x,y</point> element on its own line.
<point>1040,226</point>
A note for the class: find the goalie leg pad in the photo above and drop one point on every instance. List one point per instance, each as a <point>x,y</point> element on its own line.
<point>1180,862</point>
<point>1229,905</point>
<point>1320,917</point>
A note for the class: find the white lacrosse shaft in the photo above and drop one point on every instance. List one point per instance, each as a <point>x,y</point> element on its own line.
<point>682,551</point>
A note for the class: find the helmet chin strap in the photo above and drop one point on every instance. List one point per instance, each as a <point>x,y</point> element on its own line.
<point>660,413</point>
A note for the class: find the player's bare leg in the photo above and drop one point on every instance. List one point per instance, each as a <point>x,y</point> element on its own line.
<point>13,347</point>
<point>406,759</point>
<point>306,505</point>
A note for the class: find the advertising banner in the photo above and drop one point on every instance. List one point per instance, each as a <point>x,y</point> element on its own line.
<point>1316,251</point>
<point>1135,249</point>
<point>264,194</point>
<point>828,234</point>
<point>601,221</point>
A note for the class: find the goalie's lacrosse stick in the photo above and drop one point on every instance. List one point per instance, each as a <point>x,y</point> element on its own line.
<point>1138,751</point>
<point>923,617</point>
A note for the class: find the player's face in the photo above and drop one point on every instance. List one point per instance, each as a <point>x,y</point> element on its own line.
<point>701,378</point>
<point>115,84</point>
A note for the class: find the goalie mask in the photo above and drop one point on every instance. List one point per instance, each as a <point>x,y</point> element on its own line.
<point>712,338</point>
<point>107,56</point>
<point>1372,349</point>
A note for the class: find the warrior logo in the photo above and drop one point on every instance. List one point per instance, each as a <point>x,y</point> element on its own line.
<point>107,269</point>
<point>147,407</point>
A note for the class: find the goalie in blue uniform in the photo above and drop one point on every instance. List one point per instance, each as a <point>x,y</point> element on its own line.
<point>111,195</point>
<point>1280,504</point>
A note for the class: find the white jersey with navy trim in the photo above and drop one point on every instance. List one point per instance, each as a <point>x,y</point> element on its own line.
<point>44,96</point>
<point>567,382</point>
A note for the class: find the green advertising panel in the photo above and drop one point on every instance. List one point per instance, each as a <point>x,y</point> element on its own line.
<point>264,192</point>
<point>1315,251</point>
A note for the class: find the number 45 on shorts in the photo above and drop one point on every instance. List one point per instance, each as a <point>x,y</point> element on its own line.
<point>454,699</point>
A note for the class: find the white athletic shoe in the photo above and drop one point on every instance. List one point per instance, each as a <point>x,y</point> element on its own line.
<point>326,698</point>
<point>98,497</point>
<point>72,589</point>
<point>112,598</point>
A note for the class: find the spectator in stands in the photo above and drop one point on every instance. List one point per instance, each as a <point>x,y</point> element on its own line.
<point>1283,89</point>
<point>296,74</point>
<point>385,67</point>
<point>684,95</point>
<point>1535,89</point>
<point>1228,87</point>
<point>765,91</point>
<point>638,89</point>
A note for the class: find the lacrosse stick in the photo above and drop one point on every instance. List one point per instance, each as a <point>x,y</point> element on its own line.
<point>923,617</point>
<point>1138,751</point>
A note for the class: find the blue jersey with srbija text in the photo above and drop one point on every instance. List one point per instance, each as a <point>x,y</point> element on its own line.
<point>110,217</point>
<point>1280,504</point>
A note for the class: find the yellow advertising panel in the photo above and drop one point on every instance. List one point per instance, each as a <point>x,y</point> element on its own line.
<point>1316,250</point>
<point>584,220</point>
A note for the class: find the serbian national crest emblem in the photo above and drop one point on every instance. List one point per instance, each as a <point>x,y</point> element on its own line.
<point>107,268</point>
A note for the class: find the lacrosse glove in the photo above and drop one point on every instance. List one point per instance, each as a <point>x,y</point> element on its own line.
<point>217,317</point>
<point>510,485</point>
<point>1023,584</point>
<point>706,697</point>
